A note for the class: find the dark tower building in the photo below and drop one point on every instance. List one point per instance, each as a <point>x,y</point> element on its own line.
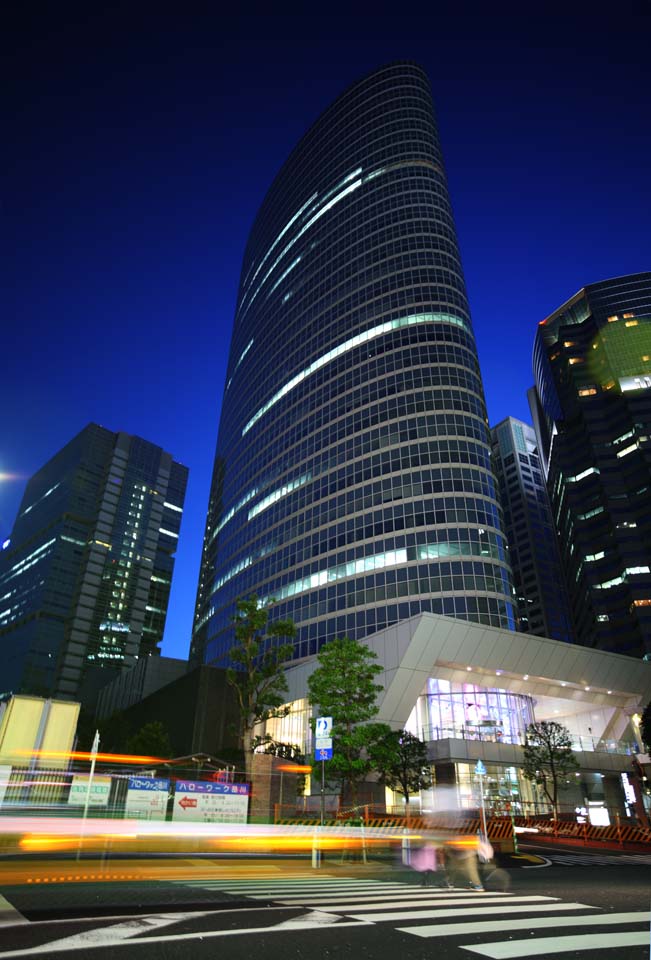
<point>540,592</point>
<point>85,579</point>
<point>353,480</point>
<point>592,412</point>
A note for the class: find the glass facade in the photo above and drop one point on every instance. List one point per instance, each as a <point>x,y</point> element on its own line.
<point>592,412</point>
<point>352,480</point>
<point>85,580</point>
<point>465,711</point>
<point>540,592</point>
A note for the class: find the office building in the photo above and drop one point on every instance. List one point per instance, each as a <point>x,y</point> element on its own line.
<point>132,685</point>
<point>352,480</point>
<point>592,414</point>
<point>540,592</point>
<point>86,576</point>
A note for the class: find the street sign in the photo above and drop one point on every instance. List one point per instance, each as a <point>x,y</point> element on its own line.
<point>323,727</point>
<point>323,754</point>
<point>480,769</point>
<point>323,743</point>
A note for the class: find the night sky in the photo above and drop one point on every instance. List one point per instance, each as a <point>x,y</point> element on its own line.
<point>140,145</point>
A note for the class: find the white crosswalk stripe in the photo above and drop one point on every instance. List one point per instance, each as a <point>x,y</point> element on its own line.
<point>490,914</point>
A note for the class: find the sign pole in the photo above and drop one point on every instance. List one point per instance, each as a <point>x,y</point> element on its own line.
<point>93,757</point>
<point>480,770</point>
<point>483,808</point>
<point>323,752</point>
<point>322,792</point>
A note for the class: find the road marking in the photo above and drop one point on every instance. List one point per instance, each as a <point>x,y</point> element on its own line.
<point>111,934</point>
<point>537,866</point>
<point>477,900</point>
<point>528,923</point>
<point>9,916</point>
<point>547,946</point>
<point>601,860</point>
<point>423,896</point>
<point>301,923</point>
<point>502,910</point>
<point>318,917</point>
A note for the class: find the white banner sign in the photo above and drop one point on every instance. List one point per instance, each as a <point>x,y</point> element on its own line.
<point>99,791</point>
<point>211,802</point>
<point>147,798</point>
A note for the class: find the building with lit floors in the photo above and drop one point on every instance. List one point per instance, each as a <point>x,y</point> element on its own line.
<point>540,592</point>
<point>592,414</point>
<point>352,480</point>
<point>85,578</point>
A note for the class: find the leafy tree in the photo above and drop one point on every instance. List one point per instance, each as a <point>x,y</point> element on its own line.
<point>259,682</point>
<point>343,687</point>
<point>152,740</point>
<point>645,726</point>
<point>548,757</point>
<point>401,759</point>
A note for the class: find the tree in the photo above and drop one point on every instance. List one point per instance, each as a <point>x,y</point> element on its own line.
<point>645,727</point>
<point>258,679</point>
<point>548,757</point>
<point>152,740</point>
<point>401,759</point>
<point>343,687</point>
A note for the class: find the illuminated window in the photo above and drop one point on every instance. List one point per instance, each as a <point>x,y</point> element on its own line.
<point>641,603</point>
<point>631,323</point>
<point>587,392</point>
<point>590,513</point>
<point>627,315</point>
<point>583,474</point>
<point>613,319</point>
<point>574,360</point>
<point>347,345</point>
<point>569,343</point>
<point>625,452</point>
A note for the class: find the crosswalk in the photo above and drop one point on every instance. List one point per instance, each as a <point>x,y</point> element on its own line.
<point>524,925</point>
<point>598,860</point>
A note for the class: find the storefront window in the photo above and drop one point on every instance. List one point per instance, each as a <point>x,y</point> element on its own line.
<point>464,711</point>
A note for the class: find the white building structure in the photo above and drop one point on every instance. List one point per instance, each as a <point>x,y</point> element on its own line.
<point>469,691</point>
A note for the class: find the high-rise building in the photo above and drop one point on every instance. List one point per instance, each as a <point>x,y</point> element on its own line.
<point>353,481</point>
<point>540,592</point>
<point>592,413</point>
<point>85,578</point>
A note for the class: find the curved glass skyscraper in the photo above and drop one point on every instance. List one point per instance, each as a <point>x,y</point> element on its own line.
<point>352,480</point>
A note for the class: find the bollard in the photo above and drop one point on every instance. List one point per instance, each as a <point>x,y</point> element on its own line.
<point>406,848</point>
<point>316,852</point>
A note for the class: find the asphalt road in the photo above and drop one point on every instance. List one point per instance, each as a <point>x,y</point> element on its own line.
<point>290,912</point>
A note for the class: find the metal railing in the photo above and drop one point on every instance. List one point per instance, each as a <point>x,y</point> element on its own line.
<point>493,733</point>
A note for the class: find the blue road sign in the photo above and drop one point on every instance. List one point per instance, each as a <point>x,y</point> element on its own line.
<point>323,753</point>
<point>480,769</point>
<point>323,727</point>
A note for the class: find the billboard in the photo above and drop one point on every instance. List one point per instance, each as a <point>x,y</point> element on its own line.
<point>99,791</point>
<point>147,798</point>
<point>211,802</point>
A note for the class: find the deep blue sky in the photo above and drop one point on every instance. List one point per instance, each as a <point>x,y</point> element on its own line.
<point>140,145</point>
